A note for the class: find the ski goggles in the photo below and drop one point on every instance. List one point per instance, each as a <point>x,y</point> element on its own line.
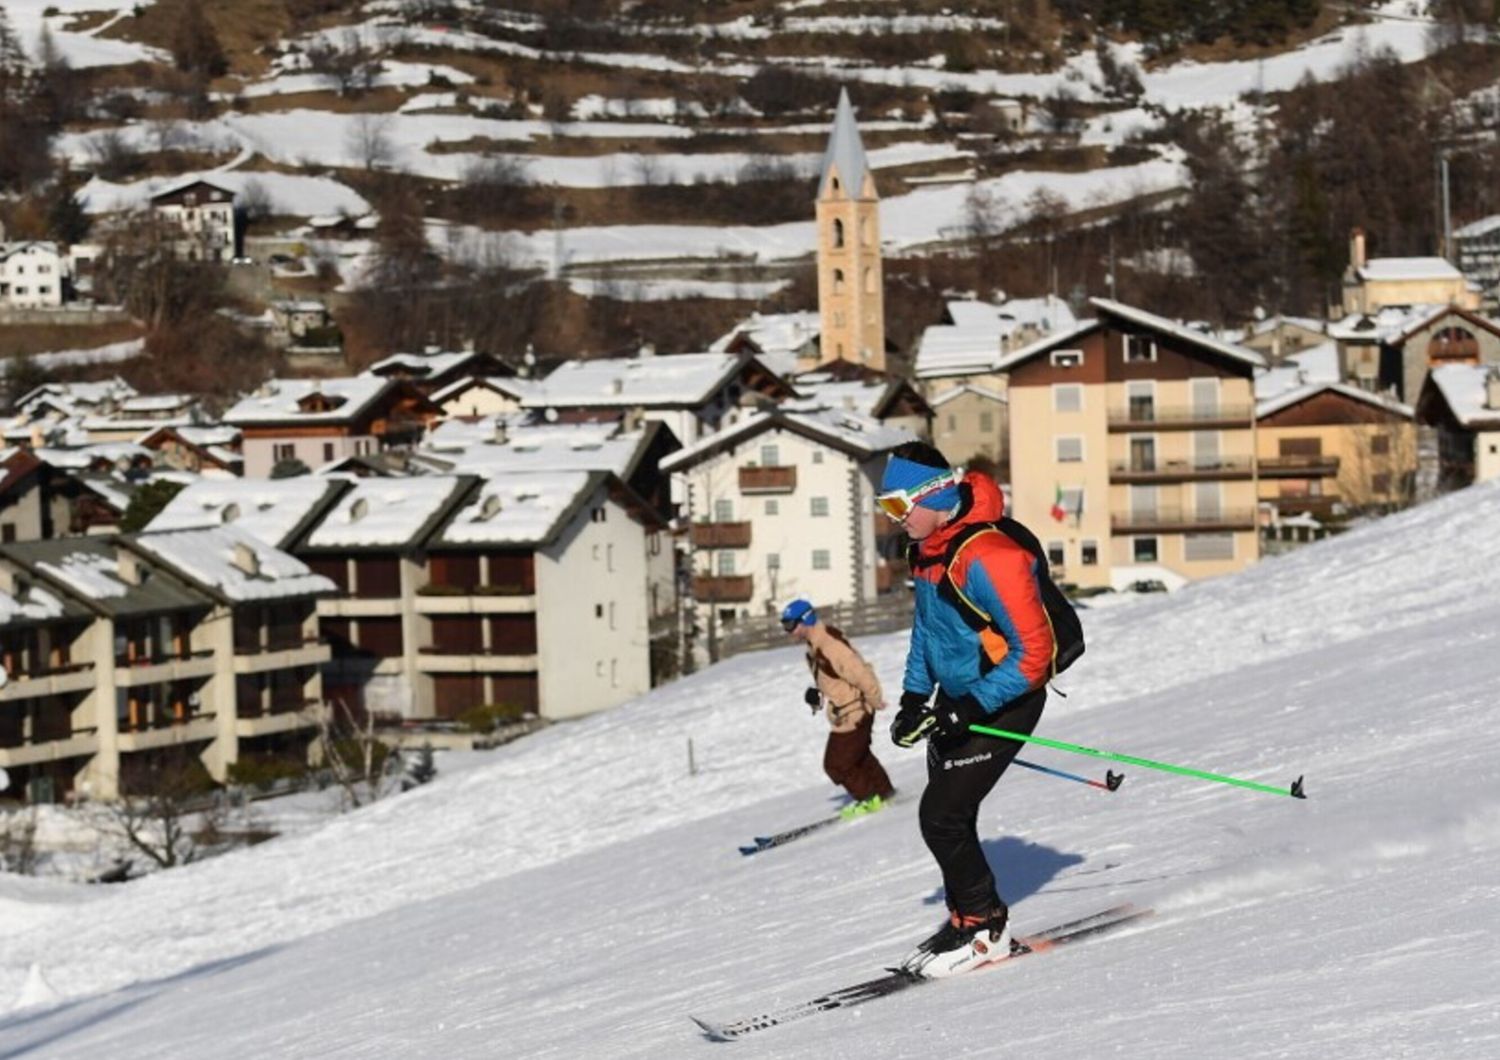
<point>790,624</point>
<point>898,503</point>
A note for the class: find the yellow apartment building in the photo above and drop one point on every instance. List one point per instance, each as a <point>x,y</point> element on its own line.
<point>1132,449</point>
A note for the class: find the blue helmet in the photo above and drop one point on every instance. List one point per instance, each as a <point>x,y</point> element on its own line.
<point>798,612</point>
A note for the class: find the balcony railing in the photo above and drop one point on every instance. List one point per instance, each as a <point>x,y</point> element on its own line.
<point>1178,521</point>
<point>721,535</point>
<point>1144,471</point>
<point>1320,506</point>
<point>1299,466</point>
<point>768,479</point>
<point>1181,417</point>
<point>735,589</point>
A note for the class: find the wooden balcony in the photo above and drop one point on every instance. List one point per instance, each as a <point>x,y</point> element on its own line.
<point>1178,521</point>
<point>721,535</point>
<point>1181,418</point>
<point>1146,472</point>
<point>1320,506</point>
<point>768,479</point>
<point>1299,466</point>
<point>731,589</point>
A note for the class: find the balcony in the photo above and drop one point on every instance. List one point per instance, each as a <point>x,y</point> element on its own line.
<point>1299,466</point>
<point>768,479</point>
<point>1146,472</point>
<point>283,717</point>
<point>1178,521</point>
<point>82,743</point>
<point>723,589</point>
<point>485,600</point>
<point>447,661</point>
<point>309,653</point>
<point>53,681</point>
<point>1321,506</point>
<point>200,728</point>
<point>721,535</point>
<point>1180,418</point>
<point>160,669</point>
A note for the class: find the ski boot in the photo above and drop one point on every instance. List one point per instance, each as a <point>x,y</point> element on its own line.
<point>962,944</point>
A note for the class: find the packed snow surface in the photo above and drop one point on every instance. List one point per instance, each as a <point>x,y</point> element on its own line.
<point>580,895</point>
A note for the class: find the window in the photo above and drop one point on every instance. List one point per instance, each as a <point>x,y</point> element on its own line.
<point>1206,449</point>
<point>283,451</point>
<point>1067,397</point>
<point>952,422</point>
<point>327,452</point>
<point>611,614</point>
<point>1205,396</point>
<point>1089,553</point>
<point>770,456</point>
<point>1380,482</point>
<point>723,511</point>
<point>821,560</point>
<point>1139,348</point>
<point>820,506</point>
<point>725,563</point>
<point>1144,549</point>
<point>773,561</point>
<point>8,532</point>
<point>1069,449</point>
<point>1056,556</point>
<point>1067,358</point>
<point>838,281</point>
<point>987,422</point>
<point>838,232</point>
<point>1142,401</point>
<point>773,507</point>
<point>1380,444</point>
<point>1207,500</point>
<point>598,610</point>
<point>1300,447</point>
<point>1072,502</point>
<point>609,557</point>
<point>1208,546</point>
<point>818,453</point>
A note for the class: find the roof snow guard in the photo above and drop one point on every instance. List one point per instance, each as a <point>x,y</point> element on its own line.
<point>846,152</point>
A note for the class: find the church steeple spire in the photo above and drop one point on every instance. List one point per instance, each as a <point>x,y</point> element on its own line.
<point>850,284</point>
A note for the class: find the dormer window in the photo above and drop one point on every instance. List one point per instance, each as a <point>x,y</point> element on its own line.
<point>318,401</point>
<point>1067,358</point>
<point>1139,349</point>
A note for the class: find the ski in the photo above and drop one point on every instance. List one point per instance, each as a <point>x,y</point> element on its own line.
<point>895,980</point>
<point>766,842</point>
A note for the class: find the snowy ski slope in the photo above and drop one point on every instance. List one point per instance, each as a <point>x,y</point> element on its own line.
<point>581,895</point>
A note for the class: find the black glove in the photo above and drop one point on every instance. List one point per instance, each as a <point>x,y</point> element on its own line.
<point>812,698</point>
<point>954,716</point>
<point>913,722</point>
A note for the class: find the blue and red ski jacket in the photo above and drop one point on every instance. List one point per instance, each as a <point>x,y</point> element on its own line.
<point>1013,654</point>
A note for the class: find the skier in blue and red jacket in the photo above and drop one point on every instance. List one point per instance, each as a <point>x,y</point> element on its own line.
<point>963,669</point>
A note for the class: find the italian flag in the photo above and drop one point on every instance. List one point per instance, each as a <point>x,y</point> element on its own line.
<point>1059,513</point>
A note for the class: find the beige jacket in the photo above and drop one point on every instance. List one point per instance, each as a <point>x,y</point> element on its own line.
<point>848,685</point>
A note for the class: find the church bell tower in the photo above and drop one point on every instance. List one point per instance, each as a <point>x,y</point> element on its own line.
<point>851,306</point>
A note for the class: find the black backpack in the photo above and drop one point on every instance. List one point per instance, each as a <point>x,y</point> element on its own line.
<point>1067,630</point>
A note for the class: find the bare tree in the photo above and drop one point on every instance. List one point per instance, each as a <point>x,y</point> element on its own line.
<point>161,820</point>
<point>18,841</point>
<point>353,754</point>
<point>1379,471</point>
<point>348,65</point>
<point>369,141</point>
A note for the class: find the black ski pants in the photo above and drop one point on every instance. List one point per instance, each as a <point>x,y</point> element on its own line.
<point>959,776</point>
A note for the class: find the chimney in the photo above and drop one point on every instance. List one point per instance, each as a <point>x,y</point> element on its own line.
<point>501,435</point>
<point>1492,389</point>
<point>128,566</point>
<point>1357,248</point>
<point>246,559</point>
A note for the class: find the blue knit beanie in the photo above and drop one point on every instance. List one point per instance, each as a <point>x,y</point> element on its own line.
<point>903,474</point>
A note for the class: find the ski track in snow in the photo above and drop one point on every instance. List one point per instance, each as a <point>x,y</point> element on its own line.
<point>1354,924</point>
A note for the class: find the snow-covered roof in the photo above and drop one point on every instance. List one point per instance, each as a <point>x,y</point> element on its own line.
<point>519,507</point>
<point>1483,227</point>
<point>1392,269</point>
<point>483,448</point>
<point>1463,387</point>
<point>271,509</point>
<point>83,456</point>
<point>1315,364</point>
<point>1179,331</point>
<point>1297,394</point>
<point>1271,323</point>
<point>277,400</point>
<point>187,182</point>
<point>423,365</point>
<point>33,604</point>
<point>76,398</point>
<point>387,512</point>
<point>976,340</point>
<point>845,151</point>
<point>233,563</point>
<point>968,388</point>
<point>512,387</point>
<point>860,436</point>
<point>682,379</point>
<point>1383,324</point>
<point>774,333</point>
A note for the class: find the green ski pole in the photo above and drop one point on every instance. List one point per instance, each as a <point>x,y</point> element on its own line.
<point>1295,791</point>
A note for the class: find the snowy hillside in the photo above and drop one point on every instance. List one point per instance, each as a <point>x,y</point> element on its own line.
<point>580,894</point>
